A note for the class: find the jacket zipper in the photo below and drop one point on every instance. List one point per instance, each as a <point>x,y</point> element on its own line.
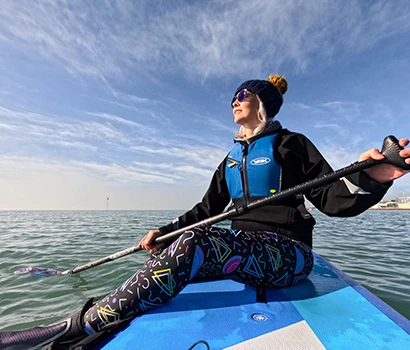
<point>244,173</point>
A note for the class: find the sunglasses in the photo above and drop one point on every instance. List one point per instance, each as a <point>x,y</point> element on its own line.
<point>241,96</point>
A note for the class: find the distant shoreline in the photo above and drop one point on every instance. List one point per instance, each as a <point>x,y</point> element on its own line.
<point>389,209</point>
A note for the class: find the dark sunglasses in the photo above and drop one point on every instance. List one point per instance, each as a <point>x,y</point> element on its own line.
<point>241,95</point>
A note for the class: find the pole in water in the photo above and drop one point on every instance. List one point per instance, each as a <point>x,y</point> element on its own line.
<point>38,271</point>
<point>106,207</point>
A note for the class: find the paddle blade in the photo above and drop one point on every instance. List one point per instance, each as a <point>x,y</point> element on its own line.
<point>38,271</point>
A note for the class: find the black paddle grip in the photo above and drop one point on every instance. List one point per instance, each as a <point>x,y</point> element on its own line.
<point>390,150</point>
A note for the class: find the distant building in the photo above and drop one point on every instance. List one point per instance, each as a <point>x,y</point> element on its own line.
<point>399,203</point>
<point>403,202</point>
<point>385,205</point>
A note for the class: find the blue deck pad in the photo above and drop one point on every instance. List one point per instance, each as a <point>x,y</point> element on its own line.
<point>346,317</point>
<point>324,269</point>
<point>399,319</point>
<point>219,312</point>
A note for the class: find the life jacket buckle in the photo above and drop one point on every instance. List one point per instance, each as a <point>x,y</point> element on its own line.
<point>241,207</point>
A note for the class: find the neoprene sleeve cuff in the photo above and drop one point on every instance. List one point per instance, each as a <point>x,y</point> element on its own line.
<point>166,229</point>
<point>366,183</point>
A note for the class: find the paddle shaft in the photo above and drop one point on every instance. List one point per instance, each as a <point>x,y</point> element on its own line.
<point>391,149</point>
<point>299,189</point>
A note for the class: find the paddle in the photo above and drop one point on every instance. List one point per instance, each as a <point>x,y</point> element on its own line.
<point>390,150</point>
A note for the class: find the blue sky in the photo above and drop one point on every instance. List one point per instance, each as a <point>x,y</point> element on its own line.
<point>131,99</point>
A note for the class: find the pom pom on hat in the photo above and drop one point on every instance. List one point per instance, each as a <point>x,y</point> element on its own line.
<point>270,92</point>
<point>279,82</point>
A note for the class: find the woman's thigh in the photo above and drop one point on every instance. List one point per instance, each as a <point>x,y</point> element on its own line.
<point>254,258</point>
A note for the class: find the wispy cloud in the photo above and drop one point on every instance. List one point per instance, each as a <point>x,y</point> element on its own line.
<point>40,128</point>
<point>220,38</point>
<point>137,173</point>
<point>219,125</point>
<point>347,110</point>
<point>299,106</point>
<point>330,126</point>
<point>140,105</point>
<point>119,120</point>
<point>122,174</point>
<point>81,146</point>
<point>340,113</point>
<point>201,157</point>
<point>36,183</point>
<point>119,139</point>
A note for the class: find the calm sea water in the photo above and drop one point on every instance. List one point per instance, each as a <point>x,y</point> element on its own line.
<point>373,248</point>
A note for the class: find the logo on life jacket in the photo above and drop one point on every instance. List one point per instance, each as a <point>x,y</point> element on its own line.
<point>260,161</point>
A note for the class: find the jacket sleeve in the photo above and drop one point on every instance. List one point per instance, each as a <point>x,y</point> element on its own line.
<point>214,202</point>
<point>337,198</point>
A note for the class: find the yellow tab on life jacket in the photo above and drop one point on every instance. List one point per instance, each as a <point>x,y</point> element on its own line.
<point>272,190</point>
<point>232,162</point>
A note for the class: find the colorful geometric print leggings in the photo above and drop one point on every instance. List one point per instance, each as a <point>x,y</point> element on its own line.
<point>255,258</point>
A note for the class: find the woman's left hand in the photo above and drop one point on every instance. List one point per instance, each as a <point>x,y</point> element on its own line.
<point>386,172</point>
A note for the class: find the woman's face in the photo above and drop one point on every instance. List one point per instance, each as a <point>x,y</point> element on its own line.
<point>245,109</point>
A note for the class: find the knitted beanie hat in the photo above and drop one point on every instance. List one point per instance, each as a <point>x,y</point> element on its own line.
<point>270,92</point>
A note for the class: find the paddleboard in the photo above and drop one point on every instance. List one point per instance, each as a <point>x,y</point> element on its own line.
<point>327,311</point>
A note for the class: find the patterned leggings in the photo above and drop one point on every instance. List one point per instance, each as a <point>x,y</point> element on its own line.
<point>254,258</point>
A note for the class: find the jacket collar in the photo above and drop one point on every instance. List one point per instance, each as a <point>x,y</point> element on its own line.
<point>271,127</point>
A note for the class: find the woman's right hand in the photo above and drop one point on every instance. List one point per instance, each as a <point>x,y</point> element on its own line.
<point>148,242</point>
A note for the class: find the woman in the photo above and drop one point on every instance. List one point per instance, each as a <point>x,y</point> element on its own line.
<point>269,246</point>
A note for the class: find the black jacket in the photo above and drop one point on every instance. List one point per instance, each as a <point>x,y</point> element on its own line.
<point>300,161</point>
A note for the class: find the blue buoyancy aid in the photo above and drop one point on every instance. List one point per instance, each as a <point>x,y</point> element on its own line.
<point>251,169</point>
